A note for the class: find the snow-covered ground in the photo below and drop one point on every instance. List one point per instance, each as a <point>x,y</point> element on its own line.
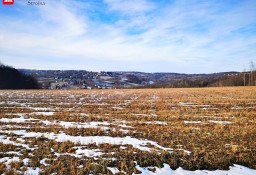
<point>166,170</point>
<point>127,125</point>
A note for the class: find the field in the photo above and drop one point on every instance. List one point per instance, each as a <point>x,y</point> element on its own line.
<point>128,131</point>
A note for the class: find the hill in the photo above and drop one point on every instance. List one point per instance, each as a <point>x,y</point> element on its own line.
<point>11,78</point>
<point>82,79</point>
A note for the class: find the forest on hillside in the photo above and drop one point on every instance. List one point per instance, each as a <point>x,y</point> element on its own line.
<point>11,78</point>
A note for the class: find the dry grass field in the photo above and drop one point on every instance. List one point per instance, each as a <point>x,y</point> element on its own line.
<point>126,131</point>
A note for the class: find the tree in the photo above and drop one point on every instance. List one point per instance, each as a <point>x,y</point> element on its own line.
<point>252,69</point>
<point>10,78</point>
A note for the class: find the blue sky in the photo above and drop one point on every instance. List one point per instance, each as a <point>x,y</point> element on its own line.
<point>184,36</point>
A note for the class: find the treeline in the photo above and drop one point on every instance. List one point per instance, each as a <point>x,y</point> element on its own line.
<point>226,80</point>
<point>10,78</point>
<point>231,80</point>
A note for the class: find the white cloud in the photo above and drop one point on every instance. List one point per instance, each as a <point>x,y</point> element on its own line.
<point>61,20</point>
<point>178,34</point>
<point>130,7</point>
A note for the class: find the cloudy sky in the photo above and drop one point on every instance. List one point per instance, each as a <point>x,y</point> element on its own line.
<point>185,36</point>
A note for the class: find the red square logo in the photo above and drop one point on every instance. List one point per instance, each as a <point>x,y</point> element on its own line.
<point>8,2</point>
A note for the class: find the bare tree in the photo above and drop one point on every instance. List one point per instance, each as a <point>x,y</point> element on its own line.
<point>252,69</point>
<point>244,77</point>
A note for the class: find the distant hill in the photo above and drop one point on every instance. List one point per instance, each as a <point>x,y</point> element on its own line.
<point>11,78</point>
<point>82,79</point>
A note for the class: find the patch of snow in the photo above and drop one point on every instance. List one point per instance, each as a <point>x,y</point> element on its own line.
<point>151,82</point>
<point>84,125</point>
<point>160,123</point>
<point>41,109</point>
<point>89,152</point>
<point>43,162</point>
<point>237,108</point>
<point>220,122</point>
<point>20,140</point>
<point>12,152</point>
<point>125,131</point>
<point>209,108</point>
<point>209,121</point>
<point>84,115</point>
<point>105,77</point>
<point>42,113</point>
<point>189,104</point>
<point>17,120</point>
<point>154,115</point>
<point>32,171</point>
<point>139,144</point>
<point>125,126</point>
<point>119,108</point>
<point>123,79</point>
<point>86,140</point>
<point>186,151</point>
<point>9,160</point>
<point>140,114</point>
<point>26,161</point>
<point>114,170</point>
<point>7,140</point>
<point>166,170</point>
<point>194,122</point>
<point>47,122</point>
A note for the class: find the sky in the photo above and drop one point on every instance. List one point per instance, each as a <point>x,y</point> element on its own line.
<point>183,36</point>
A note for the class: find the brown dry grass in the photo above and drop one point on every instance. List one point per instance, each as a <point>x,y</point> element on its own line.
<point>191,122</point>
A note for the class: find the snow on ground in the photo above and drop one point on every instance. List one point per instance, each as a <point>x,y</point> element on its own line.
<point>17,120</point>
<point>209,121</point>
<point>86,140</point>
<point>32,171</point>
<point>102,125</point>
<point>144,115</point>
<point>188,104</point>
<point>166,170</point>
<point>12,152</point>
<point>220,122</point>
<point>113,170</point>
<point>41,109</point>
<point>43,162</point>
<point>26,161</point>
<point>22,119</point>
<point>84,125</point>
<point>154,122</point>
<point>118,108</point>
<point>6,140</point>
<point>42,113</point>
<point>81,151</point>
<point>8,160</point>
<point>88,152</point>
<point>194,122</point>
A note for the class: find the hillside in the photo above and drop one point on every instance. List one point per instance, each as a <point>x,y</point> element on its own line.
<point>81,79</point>
<point>10,78</point>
